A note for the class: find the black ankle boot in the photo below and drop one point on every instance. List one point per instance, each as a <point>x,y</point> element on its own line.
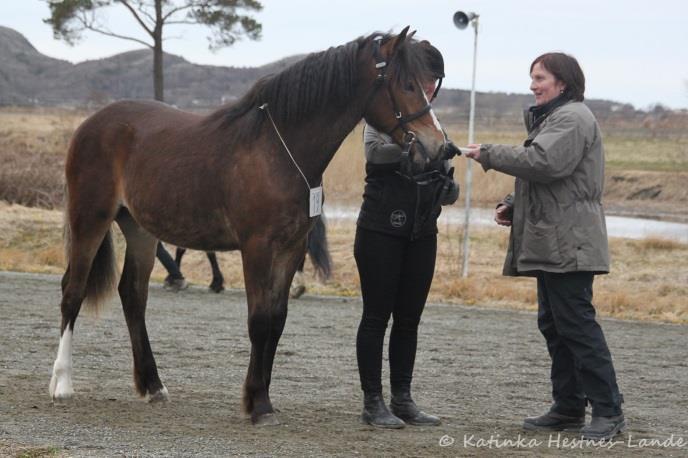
<point>375,412</point>
<point>604,428</point>
<point>553,421</point>
<point>403,407</point>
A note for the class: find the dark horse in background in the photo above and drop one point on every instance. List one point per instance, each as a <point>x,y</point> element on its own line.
<point>316,248</point>
<point>225,182</point>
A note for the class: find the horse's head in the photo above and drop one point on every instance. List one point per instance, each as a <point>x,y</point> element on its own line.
<point>402,69</point>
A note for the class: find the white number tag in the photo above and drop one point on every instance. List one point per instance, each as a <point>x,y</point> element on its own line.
<point>315,202</point>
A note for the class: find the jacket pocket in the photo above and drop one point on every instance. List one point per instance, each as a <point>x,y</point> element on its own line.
<point>591,248</point>
<point>540,244</point>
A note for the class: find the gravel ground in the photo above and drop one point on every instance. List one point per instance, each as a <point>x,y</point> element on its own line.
<point>481,370</point>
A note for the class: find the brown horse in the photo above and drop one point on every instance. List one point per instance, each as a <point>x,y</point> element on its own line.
<point>225,182</point>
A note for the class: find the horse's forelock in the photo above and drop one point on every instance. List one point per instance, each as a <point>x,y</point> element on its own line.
<point>408,63</point>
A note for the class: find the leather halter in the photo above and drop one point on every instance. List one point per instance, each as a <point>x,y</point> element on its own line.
<point>402,121</point>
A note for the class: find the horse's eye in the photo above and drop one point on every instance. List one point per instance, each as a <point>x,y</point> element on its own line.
<point>410,87</point>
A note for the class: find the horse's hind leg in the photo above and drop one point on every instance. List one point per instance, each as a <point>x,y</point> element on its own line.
<point>133,290</point>
<point>90,275</point>
<point>268,272</point>
<point>218,283</point>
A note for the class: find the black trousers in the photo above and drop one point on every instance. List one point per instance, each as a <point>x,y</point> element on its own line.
<point>581,363</point>
<point>395,275</point>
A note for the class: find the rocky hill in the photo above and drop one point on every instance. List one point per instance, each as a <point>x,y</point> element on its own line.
<point>28,77</point>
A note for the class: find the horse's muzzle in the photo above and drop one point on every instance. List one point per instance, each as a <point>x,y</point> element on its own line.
<point>449,150</point>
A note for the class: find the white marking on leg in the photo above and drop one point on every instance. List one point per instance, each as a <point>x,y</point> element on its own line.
<point>160,396</point>
<point>61,381</point>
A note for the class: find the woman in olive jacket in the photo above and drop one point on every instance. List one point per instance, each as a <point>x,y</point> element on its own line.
<point>559,236</point>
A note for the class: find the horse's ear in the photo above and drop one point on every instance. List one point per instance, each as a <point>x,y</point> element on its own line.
<point>399,39</point>
<point>410,35</point>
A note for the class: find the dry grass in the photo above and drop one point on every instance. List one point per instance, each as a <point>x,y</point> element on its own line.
<point>667,154</point>
<point>14,450</point>
<point>33,143</point>
<point>657,243</point>
<point>647,281</point>
<point>32,151</point>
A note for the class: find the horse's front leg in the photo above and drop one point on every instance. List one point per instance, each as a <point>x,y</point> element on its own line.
<point>268,271</point>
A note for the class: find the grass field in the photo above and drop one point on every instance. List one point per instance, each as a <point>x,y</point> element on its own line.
<point>648,279</point>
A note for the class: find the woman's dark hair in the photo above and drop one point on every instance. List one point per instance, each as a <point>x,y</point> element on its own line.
<point>565,68</point>
<point>434,59</point>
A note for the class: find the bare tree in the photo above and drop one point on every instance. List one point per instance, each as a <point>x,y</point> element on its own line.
<point>70,18</point>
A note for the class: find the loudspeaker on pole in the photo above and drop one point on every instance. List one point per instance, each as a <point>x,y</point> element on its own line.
<point>461,19</point>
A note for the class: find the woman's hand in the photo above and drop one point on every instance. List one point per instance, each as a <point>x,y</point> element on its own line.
<point>503,214</point>
<point>473,151</point>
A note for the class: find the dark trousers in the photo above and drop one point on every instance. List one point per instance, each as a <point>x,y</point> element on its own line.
<point>581,363</point>
<point>395,275</point>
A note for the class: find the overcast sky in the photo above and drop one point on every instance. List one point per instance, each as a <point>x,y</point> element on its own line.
<point>631,51</point>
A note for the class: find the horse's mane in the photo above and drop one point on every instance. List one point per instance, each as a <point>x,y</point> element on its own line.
<point>319,80</point>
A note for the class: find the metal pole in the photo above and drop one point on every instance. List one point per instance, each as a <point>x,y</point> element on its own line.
<point>469,171</point>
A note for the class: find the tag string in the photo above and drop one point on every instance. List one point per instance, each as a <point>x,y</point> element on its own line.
<point>264,107</point>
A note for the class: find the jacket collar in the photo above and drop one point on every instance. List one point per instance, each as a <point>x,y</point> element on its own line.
<point>534,115</point>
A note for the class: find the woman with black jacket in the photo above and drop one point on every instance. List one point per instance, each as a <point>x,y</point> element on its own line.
<point>395,248</point>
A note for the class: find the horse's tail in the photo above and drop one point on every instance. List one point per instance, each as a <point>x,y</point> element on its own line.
<point>318,249</point>
<point>102,278</point>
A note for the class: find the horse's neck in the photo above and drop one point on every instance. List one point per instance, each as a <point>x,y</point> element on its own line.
<point>318,139</point>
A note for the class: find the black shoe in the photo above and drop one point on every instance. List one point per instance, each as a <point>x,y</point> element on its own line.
<point>604,428</point>
<point>375,413</point>
<point>552,421</point>
<point>403,407</point>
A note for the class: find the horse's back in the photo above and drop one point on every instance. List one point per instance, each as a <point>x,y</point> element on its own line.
<point>109,135</point>
<point>136,114</point>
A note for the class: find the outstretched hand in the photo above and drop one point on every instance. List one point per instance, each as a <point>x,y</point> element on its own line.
<point>472,151</point>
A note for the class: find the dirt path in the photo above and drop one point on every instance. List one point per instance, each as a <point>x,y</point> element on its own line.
<point>480,370</point>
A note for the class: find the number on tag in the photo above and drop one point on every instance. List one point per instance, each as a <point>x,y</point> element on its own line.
<point>315,202</point>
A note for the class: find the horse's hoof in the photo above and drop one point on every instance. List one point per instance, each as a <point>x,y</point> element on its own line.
<point>216,288</point>
<point>60,390</point>
<point>175,284</point>
<point>63,398</point>
<point>267,419</point>
<point>297,291</point>
<point>159,396</point>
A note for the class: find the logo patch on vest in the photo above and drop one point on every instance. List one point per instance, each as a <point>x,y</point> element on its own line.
<point>397,218</point>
